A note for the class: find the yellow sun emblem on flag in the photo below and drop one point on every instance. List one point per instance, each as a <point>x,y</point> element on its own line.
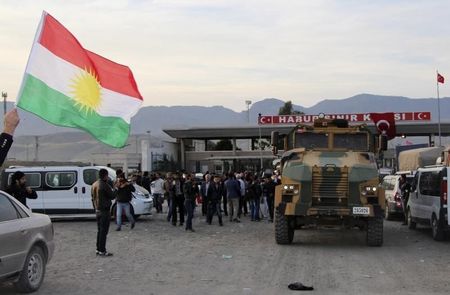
<point>86,91</point>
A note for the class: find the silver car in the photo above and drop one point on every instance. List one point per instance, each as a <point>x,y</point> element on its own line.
<point>26,244</point>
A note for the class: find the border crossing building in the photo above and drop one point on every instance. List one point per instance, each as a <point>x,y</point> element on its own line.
<point>237,148</point>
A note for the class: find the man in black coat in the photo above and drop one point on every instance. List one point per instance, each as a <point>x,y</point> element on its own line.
<point>19,189</point>
<point>214,198</point>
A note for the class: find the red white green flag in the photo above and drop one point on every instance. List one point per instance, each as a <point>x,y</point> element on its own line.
<point>70,86</point>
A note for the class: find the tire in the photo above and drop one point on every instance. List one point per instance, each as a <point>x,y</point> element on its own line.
<point>284,234</point>
<point>411,224</point>
<point>33,272</point>
<point>437,230</point>
<point>387,214</point>
<point>375,231</point>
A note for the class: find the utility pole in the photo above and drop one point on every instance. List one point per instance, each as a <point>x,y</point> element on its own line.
<point>4,95</point>
<point>36,149</point>
<point>248,103</point>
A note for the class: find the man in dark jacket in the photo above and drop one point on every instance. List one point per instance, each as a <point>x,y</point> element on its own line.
<point>102,195</point>
<point>19,189</point>
<point>190,189</point>
<point>268,190</point>
<point>124,195</point>
<point>10,123</point>
<point>214,198</point>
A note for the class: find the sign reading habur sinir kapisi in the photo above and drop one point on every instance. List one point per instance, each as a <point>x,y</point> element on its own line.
<point>365,117</point>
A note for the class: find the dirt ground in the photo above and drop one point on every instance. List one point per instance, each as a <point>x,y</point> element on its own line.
<point>243,258</point>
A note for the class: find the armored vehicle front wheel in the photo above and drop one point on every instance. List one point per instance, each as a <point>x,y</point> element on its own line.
<point>284,233</point>
<point>375,231</point>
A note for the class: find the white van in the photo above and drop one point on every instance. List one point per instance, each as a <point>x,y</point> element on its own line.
<point>428,201</point>
<point>65,191</point>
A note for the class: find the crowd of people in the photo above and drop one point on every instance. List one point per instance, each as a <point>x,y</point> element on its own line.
<point>232,195</point>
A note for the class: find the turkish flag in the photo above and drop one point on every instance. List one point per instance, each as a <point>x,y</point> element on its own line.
<point>385,123</point>
<point>440,78</point>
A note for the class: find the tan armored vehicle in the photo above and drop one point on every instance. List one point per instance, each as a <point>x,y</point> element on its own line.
<point>329,177</point>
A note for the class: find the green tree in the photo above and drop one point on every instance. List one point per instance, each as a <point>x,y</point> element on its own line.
<point>224,145</point>
<point>288,110</point>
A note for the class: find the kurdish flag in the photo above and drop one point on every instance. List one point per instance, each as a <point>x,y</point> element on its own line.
<point>70,86</point>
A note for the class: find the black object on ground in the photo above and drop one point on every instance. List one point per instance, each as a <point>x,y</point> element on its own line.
<point>297,286</point>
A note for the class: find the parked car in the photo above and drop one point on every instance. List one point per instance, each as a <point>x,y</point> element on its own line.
<point>65,191</point>
<point>428,201</point>
<point>392,196</point>
<point>26,244</point>
<point>392,193</point>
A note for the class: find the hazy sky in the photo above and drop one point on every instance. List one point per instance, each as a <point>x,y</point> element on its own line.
<point>223,52</point>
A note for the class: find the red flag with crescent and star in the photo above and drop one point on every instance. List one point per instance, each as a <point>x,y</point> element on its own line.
<point>440,78</point>
<point>385,123</point>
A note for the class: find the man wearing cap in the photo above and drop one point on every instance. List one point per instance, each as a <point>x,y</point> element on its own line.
<point>19,189</point>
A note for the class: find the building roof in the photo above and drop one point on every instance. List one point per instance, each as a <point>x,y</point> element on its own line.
<point>249,131</point>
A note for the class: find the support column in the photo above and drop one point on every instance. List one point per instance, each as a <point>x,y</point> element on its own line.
<point>183,156</point>
<point>145,156</point>
<point>234,146</point>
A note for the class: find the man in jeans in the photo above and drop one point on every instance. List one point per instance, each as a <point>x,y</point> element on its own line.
<point>102,195</point>
<point>233,192</point>
<point>124,195</point>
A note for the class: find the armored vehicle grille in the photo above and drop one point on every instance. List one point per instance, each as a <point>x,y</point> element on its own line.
<point>330,186</point>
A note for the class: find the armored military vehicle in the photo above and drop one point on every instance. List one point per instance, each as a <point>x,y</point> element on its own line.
<point>329,178</point>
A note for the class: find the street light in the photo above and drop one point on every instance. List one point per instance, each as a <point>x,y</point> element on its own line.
<point>149,152</point>
<point>260,143</point>
<point>4,95</point>
<point>248,103</point>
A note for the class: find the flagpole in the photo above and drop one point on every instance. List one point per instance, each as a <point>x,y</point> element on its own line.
<point>439,108</point>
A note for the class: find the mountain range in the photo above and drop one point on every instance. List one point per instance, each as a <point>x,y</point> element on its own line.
<point>71,144</point>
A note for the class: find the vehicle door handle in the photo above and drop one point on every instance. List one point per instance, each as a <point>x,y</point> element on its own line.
<point>75,190</point>
<point>24,231</point>
<point>83,190</point>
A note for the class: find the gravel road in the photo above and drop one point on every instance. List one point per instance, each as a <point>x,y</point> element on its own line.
<point>243,258</point>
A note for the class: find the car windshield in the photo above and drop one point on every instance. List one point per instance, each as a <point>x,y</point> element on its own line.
<point>356,142</point>
<point>309,140</point>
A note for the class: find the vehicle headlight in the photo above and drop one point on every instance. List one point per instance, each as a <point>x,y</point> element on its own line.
<point>369,190</point>
<point>291,189</point>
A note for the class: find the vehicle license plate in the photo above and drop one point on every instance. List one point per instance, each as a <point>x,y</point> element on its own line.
<point>361,210</point>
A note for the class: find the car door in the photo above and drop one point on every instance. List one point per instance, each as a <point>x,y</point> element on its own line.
<point>413,201</point>
<point>61,195</point>
<point>13,236</point>
<point>431,194</point>
<point>447,192</point>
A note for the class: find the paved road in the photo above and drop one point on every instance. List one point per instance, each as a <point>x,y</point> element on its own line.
<point>157,258</point>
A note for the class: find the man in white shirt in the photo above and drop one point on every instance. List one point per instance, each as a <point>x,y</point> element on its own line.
<point>157,190</point>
